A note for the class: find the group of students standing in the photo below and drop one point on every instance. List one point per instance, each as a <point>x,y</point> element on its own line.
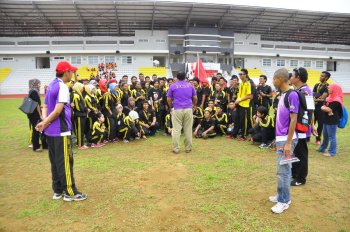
<point>106,110</point>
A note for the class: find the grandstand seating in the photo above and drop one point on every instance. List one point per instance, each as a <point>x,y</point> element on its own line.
<point>4,72</point>
<point>343,79</point>
<point>17,81</point>
<point>125,70</point>
<point>149,71</point>
<point>85,72</point>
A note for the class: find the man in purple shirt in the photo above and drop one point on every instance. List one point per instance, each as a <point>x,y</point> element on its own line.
<point>300,169</point>
<point>182,96</point>
<point>286,139</point>
<point>57,126</point>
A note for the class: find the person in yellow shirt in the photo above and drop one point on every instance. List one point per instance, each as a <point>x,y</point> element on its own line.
<point>243,118</point>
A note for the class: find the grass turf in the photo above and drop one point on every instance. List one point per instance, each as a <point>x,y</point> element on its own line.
<point>223,185</point>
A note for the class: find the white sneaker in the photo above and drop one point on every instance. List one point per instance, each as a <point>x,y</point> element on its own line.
<point>274,200</point>
<point>125,140</point>
<point>57,196</point>
<point>280,207</point>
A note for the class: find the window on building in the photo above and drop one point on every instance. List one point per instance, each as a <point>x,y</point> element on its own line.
<point>93,60</point>
<point>126,42</point>
<point>281,63</point>
<point>58,57</point>
<point>126,59</point>
<point>307,63</point>
<point>266,62</point>
<point>319,64</point>
<point>109,59</point>
<point>239,43</point>
<point>293,63</point>
<point>7,59</point>
<point>75,59</point>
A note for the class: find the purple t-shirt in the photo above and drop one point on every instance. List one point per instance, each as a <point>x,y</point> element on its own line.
<point>303,90</point>
<point>283,115</point>
<point>58,92</point>
<point>182,93</point>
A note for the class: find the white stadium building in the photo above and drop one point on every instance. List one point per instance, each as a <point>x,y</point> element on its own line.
<point>136,35</point>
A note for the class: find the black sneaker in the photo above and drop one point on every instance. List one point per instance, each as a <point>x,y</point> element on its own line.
<point>76,197</point>
<point>57,196</point>
<point>296,183</point>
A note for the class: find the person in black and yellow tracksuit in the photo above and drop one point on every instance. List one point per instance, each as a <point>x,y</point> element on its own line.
<point>211,107</point>
<point>198,115</point>
<point>220,121</point>
<point>243,118</point>
<point>231,114</point>
<point>218,96</point>
<point>206,128</point>
<point>155,98</point>
<point>147,120</point>
<point>264,128</point>
<point>264,92</point>
<point>109,110</point>
<point>119,119</point>
<point>168,124</point>
<point>80,114</point>
<point>92,108</point>
<point>232,91</point>
<point>124,94</point>
<point>99,132</point>
<point>320,93</point>
<point>129,128</point>
<point>147,88</point>
<point>131,106</point>
<point>138,94</point>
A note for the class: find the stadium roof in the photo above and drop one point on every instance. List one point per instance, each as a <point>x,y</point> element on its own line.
<point>122,18</point>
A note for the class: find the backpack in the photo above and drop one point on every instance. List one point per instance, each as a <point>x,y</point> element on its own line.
<point>344,118</point>
<point>302,126</point>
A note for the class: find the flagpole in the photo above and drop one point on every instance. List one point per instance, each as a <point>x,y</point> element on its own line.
<point>198,65</point>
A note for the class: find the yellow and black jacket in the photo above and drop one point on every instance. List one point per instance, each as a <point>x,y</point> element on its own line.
<point>90,102</point>
<point>130,125</point>
<point>79,107</point>
<point>97,129</point>
<point>267,122</point>
<point>137,94</point>
<point>198,113</point>
<point>146,117</point>
<point>219,96</point>
<point>168,123</point>
<point>109,104</point>
<point>99,94</point>
<point>221,119</point>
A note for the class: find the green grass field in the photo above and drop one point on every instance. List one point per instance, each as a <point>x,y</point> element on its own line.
<point>223,185</point>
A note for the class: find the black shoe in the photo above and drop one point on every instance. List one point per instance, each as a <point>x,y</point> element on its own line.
<point>76,197</point>
<point>296,183</point>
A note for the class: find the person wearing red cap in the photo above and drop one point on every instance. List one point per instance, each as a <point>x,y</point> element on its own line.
<point>57,126</point>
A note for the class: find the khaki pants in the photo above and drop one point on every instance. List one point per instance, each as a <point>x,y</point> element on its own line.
<point>182,119</point>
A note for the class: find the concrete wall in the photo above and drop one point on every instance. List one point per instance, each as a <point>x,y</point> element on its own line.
<point>148,44</point>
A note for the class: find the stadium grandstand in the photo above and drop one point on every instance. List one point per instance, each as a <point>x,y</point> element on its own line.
<point>162,37</point>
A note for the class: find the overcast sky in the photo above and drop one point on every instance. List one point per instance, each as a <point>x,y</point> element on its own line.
<point>340,6</point>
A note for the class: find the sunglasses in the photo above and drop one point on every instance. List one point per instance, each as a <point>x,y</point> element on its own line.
<point>241,74</point>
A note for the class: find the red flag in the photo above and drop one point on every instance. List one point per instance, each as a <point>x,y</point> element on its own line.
<point>199,71</point>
